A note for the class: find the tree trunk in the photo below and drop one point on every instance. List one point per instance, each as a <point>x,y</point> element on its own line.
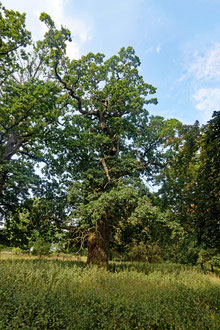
<point>98,245</point>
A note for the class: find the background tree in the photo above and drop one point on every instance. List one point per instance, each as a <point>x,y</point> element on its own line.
<point>190,186</point>
<point>177,180</point>
<point>206,208</point>
<point>30,105</point>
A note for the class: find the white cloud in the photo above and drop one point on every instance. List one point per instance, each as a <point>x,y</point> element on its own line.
<point>80,28</point>
<point>205,66</point>
<point>203,73</point>
<point>81,33</point>
<point>207,100</point>
<point>158,49</point>
<point>153,49</point>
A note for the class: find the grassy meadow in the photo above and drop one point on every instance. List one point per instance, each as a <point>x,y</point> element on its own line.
<point>59,293</point>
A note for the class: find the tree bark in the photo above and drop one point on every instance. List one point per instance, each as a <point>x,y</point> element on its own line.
<point>98,245</point>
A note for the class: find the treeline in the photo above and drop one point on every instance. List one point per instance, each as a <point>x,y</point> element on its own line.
<point>79,151</point>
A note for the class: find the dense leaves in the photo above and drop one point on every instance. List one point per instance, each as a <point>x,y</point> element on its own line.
<point>79,150</point>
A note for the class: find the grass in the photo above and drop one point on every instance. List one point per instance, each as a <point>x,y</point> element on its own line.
<point>66,294</point>
<point>5,255</point>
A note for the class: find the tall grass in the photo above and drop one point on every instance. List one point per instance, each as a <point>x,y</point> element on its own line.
<point>55,294</point>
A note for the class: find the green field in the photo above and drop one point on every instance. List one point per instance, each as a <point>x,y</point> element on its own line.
<point>64,294</point>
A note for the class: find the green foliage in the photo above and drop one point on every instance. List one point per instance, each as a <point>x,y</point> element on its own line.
<point>88,123</point>
<point>150,252</point>
<point>54,40</point>
<point>207,202</point>
<point>16,250</point>
<point>13,36</point>
<point>29,107</point>
<point>60,295</point>
<point>38,220</point>
<point>210,257</point>
<point>13,32</point>
<point>5,248</point>
<point>41,247</point>
<point>215,262</point>
<point>190,184</point>
<point>137,252</point>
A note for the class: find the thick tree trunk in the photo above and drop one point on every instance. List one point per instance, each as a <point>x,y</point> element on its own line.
<point>98,245</point>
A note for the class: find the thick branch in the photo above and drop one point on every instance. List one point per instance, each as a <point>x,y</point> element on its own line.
<point>105,168</point>
<point>12,146</point>
<point>72,94</point>
<point>9,51</point>
<point>34,157</point>
<point>70,90</point>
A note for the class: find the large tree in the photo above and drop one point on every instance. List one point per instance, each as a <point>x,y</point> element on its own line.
<point>30,105</point>
<point>109,139</point>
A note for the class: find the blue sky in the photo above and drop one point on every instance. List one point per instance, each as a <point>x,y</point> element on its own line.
<point>178,42</point>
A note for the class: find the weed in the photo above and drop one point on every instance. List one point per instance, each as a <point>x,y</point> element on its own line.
<point>55,294</point>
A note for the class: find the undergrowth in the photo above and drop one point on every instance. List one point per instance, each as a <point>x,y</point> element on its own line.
<point>55,294</point>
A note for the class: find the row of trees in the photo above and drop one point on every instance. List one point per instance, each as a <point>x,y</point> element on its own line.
<point>78,150</point>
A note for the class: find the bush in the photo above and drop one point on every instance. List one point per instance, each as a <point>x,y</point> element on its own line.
<point>137,252</point>
<point>5,248</point>
<point>209,257</point>
<point>215,261</point>
<point>41,247</point>
<point>141,252</point>
<point>16,250</point>
<point>187,253</point>
<point>154,253</point>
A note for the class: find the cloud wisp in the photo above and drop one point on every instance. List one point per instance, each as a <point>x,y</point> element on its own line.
<point>205,66</point>
<point>80,27</point>
<point>203,69</point>
<point>207,101</point>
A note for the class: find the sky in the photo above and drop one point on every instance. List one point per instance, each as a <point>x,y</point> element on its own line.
<point>177,41</point>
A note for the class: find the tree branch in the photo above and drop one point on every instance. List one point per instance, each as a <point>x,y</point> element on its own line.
<point>10,50</point>
<point>72,94</point>
<point>105,168</point>
<point>34,157</point>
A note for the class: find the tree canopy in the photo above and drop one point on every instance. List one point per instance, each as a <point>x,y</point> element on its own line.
<point>79,149</point>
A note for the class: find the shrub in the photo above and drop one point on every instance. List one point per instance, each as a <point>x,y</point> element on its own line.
<point>16,250</point>
<point>5,247</point>
<point>154,253</point>
<point>215,261</point>
<point>209,257</point>
<point>137,252</point>
<point>41,247</point>
<point>141,252</point>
